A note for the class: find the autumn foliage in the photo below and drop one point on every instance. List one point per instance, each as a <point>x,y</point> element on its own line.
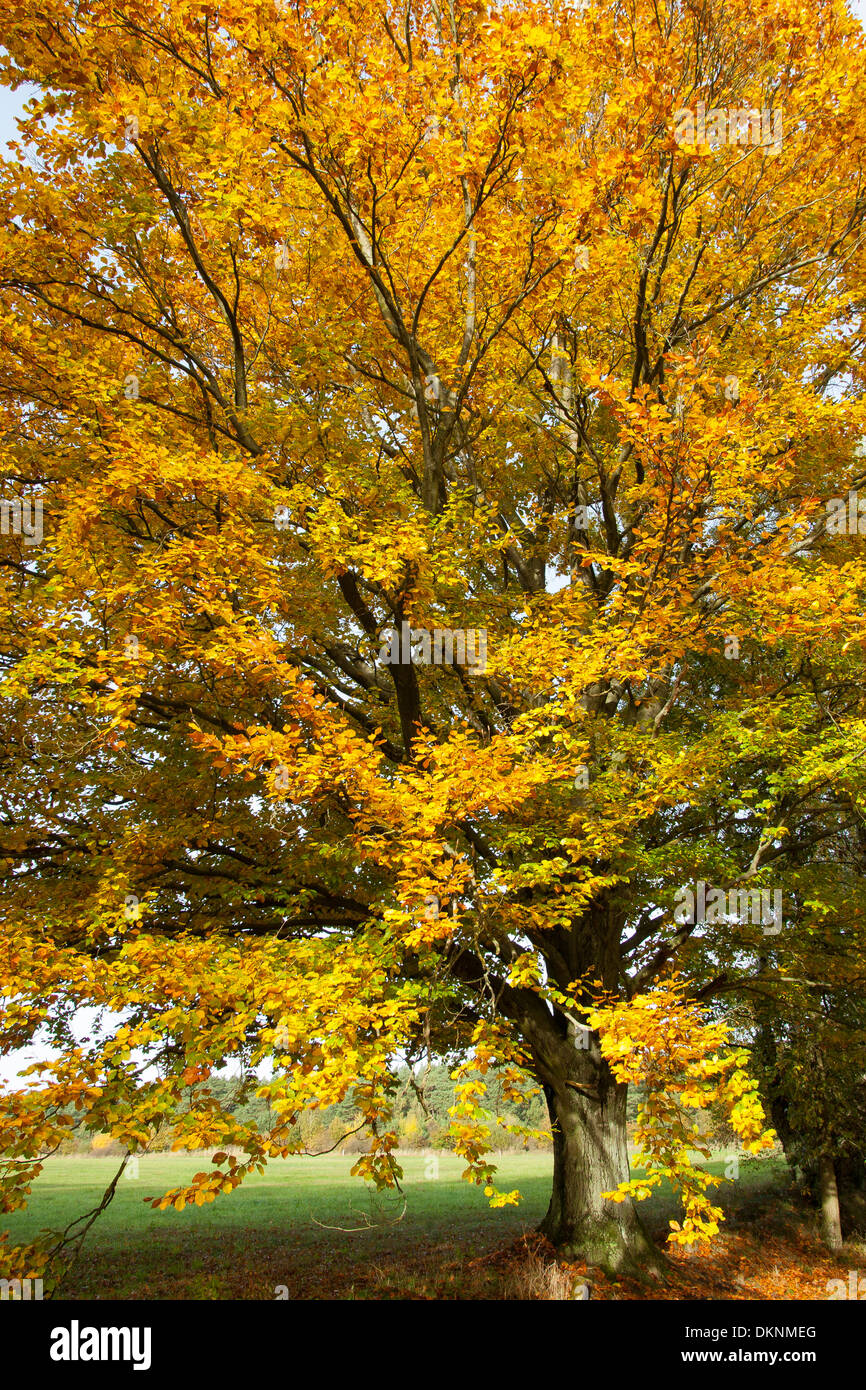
<point>318,321</point>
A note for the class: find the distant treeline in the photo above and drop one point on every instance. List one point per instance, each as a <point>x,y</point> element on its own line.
<point>421,1116</point>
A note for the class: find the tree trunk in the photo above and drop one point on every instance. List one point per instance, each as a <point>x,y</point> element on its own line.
<point>587,1107</point>
<point>590,1156</point>
<point>831,1221</point>
<point>851,1182</point>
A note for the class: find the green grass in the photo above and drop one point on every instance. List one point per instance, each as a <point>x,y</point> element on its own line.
<point>305,1224</point>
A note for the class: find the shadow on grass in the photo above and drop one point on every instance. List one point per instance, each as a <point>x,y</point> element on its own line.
<point>307,1230</point>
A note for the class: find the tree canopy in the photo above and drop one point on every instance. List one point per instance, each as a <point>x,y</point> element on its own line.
<point>435,438</point>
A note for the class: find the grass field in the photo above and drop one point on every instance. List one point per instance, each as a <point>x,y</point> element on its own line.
<point>307,1225</point>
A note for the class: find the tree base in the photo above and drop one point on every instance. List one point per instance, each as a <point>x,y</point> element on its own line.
<point>590,1157</point>
<point>615,1247</point>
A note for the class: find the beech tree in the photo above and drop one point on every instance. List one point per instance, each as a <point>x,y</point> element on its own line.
<point>443,417</point>
<point>809,1014</point>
